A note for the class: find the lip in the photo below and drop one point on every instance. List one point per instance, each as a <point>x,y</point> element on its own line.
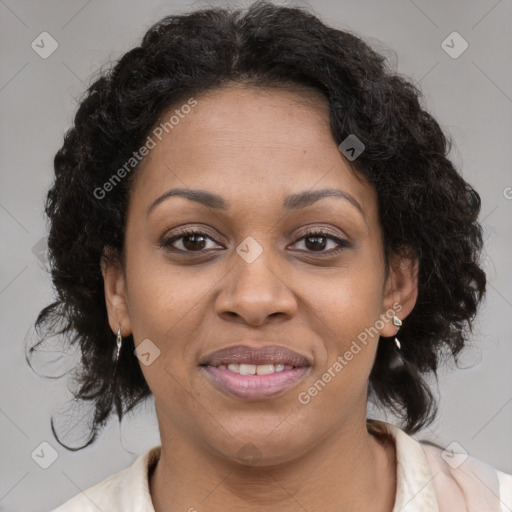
<point>255,387</point>
<point>272,354</point>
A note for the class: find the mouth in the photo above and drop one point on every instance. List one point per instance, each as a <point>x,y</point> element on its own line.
<point>255,373</point>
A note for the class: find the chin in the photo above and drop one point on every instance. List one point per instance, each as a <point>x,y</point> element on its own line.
<point>260,447</point>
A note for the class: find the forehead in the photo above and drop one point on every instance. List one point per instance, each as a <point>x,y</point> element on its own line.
<point>251,145</point>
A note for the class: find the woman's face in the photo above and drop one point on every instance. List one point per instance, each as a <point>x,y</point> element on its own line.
<point>257,279</point>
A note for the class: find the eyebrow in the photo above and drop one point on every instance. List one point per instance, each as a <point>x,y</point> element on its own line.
<point>291,202</point>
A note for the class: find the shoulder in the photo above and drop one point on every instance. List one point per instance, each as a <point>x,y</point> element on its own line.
<point>459,476</point>
<point>435,478</point>
<point>505,482</point>
<point>101,496</point>
<point>125,490</point>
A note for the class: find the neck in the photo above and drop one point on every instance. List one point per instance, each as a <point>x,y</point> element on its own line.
<point>351,470</point>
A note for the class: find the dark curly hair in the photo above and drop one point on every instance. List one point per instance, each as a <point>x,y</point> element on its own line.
<point>424,205</point>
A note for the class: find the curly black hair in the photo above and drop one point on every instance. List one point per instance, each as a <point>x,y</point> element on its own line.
<point>424,204</point>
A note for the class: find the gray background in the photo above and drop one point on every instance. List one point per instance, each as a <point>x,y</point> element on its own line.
<point>471,97</point>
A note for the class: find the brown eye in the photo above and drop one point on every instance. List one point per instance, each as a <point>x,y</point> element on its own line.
<point>194,242</point>
<point>189,240</point>
<point>317,241</point>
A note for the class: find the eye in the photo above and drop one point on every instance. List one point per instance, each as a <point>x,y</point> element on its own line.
<point>191,240</point>
<point>316,241</point>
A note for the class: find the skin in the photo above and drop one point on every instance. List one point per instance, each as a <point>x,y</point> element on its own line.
<point>254,147</point>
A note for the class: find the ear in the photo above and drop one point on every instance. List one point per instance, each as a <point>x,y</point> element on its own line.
<point>400,290</point>
<point>115,293</point>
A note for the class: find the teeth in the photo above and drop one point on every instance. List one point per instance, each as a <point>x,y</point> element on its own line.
<point>247,369</point>
<point>265,369</point>
<point>255,369</point>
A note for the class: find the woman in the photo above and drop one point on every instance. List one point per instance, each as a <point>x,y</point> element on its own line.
<point>266,219</point>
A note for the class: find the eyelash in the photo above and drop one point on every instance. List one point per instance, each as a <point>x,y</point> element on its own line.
<point>342,244</point>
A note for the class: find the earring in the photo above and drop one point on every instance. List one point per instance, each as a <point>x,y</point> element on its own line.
<point>398,323</point>
<point>119,341</point>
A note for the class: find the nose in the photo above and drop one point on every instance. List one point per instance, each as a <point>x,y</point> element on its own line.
<point>254,292</point>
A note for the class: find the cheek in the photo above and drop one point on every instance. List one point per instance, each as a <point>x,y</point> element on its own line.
<point>346,309</point>
<point>166,309</point>
<point>159,296</point>
<point>350,300</point>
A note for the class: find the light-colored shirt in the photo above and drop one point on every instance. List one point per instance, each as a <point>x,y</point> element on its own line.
<point>428,480</point>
